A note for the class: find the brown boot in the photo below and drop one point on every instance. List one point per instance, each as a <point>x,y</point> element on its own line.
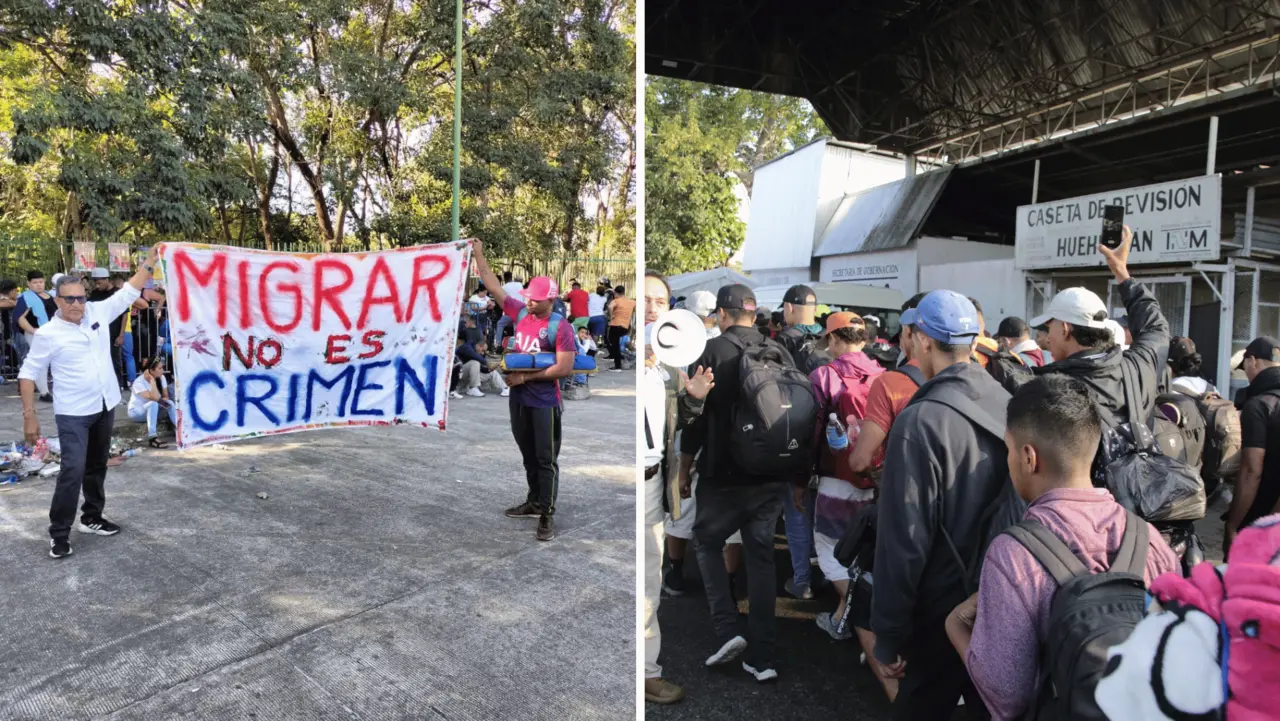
<point>660,690</point>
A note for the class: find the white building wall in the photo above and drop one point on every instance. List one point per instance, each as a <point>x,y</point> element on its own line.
<point>793,198</point>
<point>784,204</point>
<point>934,251</point>
<point>997,284</point>
<point>885,269</point>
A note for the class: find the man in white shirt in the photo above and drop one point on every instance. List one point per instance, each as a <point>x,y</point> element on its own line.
<point>76,346</point>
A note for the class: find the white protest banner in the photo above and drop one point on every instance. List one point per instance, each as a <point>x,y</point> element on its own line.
<point>268,343</point>
<point>1172,222</point>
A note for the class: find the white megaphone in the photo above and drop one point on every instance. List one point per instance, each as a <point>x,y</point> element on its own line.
<point>677,337</point>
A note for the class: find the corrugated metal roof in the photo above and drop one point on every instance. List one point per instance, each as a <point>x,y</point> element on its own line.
<point>884,217</point>
<point>1266,233</point>
<point>709,280</point>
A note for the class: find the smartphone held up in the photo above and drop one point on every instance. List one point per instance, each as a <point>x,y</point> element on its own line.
<point>1112,226</point>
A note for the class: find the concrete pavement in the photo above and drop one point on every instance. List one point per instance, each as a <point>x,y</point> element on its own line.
<point>378,580</point>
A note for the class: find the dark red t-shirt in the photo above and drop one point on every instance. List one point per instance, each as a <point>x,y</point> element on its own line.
<point>578,303</point>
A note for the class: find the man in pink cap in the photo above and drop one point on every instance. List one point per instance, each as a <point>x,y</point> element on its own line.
<point>535,395</point>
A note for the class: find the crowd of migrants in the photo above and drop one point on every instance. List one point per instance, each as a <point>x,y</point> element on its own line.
<point>1006,520</point>
<point>139,339</point>
<point>601,324</point>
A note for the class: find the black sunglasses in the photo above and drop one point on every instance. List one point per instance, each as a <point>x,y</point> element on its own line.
<point>73,299</point>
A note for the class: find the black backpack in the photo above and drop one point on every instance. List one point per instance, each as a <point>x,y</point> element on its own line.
<point>1008,369</point>
<point>805,349</point>
<point>1143,479</point>
<point>1191,428</point>
<point>774,419</point>
<point>1091,612</point>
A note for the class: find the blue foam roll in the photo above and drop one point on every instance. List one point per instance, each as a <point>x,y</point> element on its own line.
<point>538,361</point>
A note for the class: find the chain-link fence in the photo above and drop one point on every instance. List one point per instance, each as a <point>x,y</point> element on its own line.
<point>565,269</point>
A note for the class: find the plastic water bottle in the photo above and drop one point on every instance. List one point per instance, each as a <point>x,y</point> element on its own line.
<point>837,438</point>
<point>130,453</point>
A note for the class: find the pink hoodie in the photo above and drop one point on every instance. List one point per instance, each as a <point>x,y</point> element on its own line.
<point>849,375</point>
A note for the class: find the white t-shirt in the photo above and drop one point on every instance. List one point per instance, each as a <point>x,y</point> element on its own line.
<point>1193,386</point>
<point>514,290</point>
<point>595,304</point>
<point>142,384</point>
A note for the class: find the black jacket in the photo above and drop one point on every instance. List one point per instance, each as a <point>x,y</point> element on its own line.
<point>467,352</point>
<point>706,425</point>
<point>941,471</point>
<point>1101,372</point>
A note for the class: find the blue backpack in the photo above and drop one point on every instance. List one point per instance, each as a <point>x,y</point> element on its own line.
<point>553,327</point>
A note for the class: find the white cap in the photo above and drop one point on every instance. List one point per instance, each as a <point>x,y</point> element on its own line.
<point>701,302</point>
<point>1077,306</point>
<point>101,273</point>
<point>1117,333</point>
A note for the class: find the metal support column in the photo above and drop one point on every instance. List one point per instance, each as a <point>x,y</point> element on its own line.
<point>911,164</point>
<point>1226,320</point>
<point>1212,160</point>
<point>1248,220</point>
<point>1035,183</point>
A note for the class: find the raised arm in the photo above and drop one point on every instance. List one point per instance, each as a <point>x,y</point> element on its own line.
<point>486,275</point>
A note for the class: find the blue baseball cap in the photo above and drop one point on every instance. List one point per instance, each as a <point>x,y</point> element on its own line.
<point>945,316</point>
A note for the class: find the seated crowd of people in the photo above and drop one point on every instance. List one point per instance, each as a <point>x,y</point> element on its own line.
<point>603,318</point>
<point>1006,521</point>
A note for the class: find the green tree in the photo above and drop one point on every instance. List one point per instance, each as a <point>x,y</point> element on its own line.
<point>702,142</point>
<point>322,123</point>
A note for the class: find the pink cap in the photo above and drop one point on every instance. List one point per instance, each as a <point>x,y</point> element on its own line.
<point>541,288</point>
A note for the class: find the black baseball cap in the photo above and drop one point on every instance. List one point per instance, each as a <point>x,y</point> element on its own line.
<point>800,295</point>
<point>1180,348</point>
<point>735,297</point>
<point>1012,327</point>
<point>1263,347</point>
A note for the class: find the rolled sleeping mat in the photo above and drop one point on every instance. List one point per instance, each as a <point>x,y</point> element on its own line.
<point>538,361</point>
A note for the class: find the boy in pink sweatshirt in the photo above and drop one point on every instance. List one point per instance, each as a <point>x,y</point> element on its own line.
<point>1052,433</point>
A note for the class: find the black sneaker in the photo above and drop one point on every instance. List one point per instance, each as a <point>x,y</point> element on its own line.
<point>524,510</point>
<point>100,526</point>
<point>673,580</point>
<point>47,397</point>
<point>59,548</point>
<point>546,529</point>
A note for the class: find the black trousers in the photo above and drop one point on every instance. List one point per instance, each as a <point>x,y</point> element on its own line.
<point>537,432</point>
<point>86,441</point>
<point>117,362</point>
<point>615,344</point>
<point>934,681</point>
<point>754,510</point>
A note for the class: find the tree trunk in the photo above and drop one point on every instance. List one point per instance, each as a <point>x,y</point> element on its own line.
<point>280,129</point>
<point>222,222</point>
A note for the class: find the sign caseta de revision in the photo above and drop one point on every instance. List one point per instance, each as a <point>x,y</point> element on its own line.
<point>1172,222</point>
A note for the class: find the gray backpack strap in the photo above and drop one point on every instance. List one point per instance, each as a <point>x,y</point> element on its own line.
<point>1132,555</point>
<point>1056,557</point>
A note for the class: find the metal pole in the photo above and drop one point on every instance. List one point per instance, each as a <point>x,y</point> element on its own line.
<point>1248,220</point>
<point>1035,183</point>
<point>457,122</point>
<point>1213,146</point>
<point>1226,321</point>
<point>911,164</point>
